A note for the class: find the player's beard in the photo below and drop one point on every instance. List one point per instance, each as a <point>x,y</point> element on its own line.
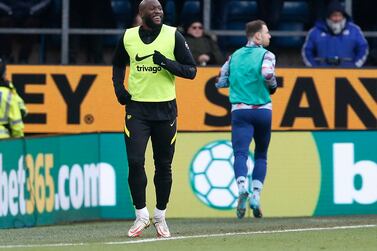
<point>149,22</point>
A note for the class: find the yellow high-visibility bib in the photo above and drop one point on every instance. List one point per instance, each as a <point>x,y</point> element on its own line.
<point>147,81</point>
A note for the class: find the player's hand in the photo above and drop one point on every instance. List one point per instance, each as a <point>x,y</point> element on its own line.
<point>159,59</point>
<point>272,90</point>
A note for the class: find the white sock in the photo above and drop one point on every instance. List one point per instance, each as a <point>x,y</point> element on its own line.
<point>241,184</point>
<point>142,213</point>
<point>159,214</point>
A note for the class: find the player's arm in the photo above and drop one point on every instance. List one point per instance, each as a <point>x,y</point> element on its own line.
<point>223,79</point>
<point>309,49</point>
<point>20,101</point>
<point>184,66</point>
<point>120,61</point>
<point>14,117</point>
<point>268,71</point>
<point>361,49</point>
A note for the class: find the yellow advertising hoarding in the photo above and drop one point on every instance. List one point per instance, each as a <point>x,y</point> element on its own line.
<point>73,99</point>
<point>304,177</point>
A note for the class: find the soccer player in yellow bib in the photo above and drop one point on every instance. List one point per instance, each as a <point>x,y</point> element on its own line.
<point>156,54</point>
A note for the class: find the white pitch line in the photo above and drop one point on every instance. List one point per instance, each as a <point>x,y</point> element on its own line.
<point>42,245</point>
<point>239,233</point>
<point>187,237</point>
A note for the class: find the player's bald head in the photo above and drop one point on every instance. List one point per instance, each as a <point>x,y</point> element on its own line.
<point>146,3</point>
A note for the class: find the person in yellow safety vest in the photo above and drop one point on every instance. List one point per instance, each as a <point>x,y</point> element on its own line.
<point>12,108</point>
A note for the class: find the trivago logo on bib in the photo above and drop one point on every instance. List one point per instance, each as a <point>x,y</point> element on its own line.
<point>349,172</point>
<point>153,69</point>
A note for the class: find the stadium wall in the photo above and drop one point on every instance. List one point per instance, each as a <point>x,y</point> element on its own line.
<point>67,178</point>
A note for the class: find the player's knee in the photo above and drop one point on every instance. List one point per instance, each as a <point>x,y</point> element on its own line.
<point>163,169</point>
<point>241,154</point>
<point>260,155</point>
<point>136,165</point>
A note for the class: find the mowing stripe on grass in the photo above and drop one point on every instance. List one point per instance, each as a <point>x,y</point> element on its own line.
<point>239,233</point>
<point>185,237</point>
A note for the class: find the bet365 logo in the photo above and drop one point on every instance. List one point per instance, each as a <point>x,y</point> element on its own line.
<point>346,172</point>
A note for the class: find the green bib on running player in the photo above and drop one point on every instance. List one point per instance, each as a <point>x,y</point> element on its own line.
<point>247,84</point>
<point>147,81</point>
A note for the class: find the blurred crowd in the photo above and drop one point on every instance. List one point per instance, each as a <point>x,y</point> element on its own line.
<point>334,37</point>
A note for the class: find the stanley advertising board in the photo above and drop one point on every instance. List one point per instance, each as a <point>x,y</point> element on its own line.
<point>73,99</point>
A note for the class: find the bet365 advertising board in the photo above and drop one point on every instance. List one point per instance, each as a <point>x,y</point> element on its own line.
<point>84,177</point>
<point>60,179</point>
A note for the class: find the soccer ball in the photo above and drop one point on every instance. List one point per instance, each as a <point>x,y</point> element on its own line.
<point>212,175</point>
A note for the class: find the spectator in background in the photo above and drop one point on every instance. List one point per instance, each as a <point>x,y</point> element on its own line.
<point>12,107</point>
<point>204,49</point>
<point>20,14</point>
<point>137,21</point>
<point>335,41</point>
<point>89,14</point>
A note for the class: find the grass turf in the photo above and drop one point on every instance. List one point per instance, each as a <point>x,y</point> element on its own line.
<point>95,236</point>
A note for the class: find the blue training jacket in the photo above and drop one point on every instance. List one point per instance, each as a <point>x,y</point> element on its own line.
<point>323,48</point>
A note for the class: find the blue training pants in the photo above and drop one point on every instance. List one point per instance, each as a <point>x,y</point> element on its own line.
<point>246,125</point>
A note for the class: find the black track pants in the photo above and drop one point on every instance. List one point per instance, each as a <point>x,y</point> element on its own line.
<point>162,134</point>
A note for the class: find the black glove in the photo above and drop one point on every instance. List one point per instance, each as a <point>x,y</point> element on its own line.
<point>272,90</point>
<point>159,59</point>
<point>123,96</point>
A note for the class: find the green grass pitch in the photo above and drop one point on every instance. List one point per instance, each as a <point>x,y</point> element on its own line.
<point>309,233</point>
